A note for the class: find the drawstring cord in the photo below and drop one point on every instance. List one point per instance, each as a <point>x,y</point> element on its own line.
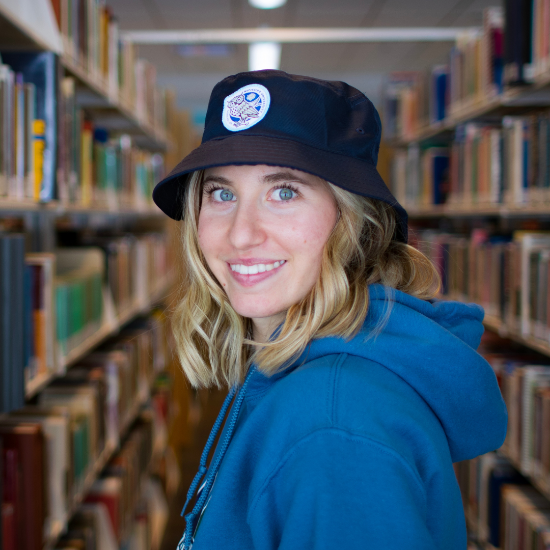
<point>187,541</point>
<point>207,447</point>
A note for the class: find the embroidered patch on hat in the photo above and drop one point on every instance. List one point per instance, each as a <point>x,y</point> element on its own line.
<point>245,107</point>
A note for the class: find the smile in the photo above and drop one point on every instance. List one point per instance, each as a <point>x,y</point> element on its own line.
<point>256,268</point>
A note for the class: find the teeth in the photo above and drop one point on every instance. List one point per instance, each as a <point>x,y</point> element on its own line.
<point>254,269</point>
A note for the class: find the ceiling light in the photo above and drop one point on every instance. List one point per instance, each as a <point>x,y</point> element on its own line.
<point>267,4</point>
<point>264,55</point>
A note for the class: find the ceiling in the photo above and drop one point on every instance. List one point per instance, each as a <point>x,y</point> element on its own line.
<point>361,65</point>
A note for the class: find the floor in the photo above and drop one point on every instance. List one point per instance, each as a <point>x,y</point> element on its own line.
<point>211,403</point>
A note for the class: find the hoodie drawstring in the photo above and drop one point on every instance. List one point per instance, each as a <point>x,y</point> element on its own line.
<point>204,457</point>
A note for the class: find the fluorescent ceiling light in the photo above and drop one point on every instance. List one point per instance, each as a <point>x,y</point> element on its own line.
<point>267,4</point>
<point>264,55</point>
<point>299,35</point>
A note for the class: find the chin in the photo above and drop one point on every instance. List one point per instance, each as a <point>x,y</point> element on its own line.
<point>252,311</point>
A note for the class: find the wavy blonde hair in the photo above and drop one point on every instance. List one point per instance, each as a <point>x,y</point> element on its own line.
<point>212,339</point>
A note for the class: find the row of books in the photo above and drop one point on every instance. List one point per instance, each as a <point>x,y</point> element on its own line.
<point>506,274</point>
<point>504,163</point>
<point>27,125</point>
<point>91,39</point>
<point>51,449</point>
<point>474,73</point>
<point>91,528</point>
<point>512,48</point>
<point>53,302</point>
<point>55,151</point>
<point>502,508</point>
<point>96,169</point>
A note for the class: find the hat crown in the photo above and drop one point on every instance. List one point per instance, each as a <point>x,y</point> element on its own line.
<point>328,115</point>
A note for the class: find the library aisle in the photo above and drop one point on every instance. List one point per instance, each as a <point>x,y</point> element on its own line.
<point>100,434</point>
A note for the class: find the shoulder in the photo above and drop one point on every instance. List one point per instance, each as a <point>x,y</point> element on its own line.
<point>359,396</point>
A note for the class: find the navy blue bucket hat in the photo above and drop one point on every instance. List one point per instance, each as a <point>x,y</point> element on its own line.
<point>326,128</point>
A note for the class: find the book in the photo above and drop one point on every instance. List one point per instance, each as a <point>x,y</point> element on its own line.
<point>12,249</point>
<point>23,448</point>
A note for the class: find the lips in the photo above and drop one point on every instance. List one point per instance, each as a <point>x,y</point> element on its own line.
<point>250,275</point>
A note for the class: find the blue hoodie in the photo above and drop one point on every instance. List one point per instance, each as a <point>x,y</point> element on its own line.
<point>352,446</point>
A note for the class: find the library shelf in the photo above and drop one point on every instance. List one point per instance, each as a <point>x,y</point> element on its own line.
<point>479,209</point>
<point>95,470</point>
<point>542,485</point>
<point>108,329</point>
<point>150,137</point>
<point>58,208</point>
<point>15,32</point>
<point>494,324</point>
<point>536,93</point>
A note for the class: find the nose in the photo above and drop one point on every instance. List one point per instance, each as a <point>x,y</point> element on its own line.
<point>246,229</point>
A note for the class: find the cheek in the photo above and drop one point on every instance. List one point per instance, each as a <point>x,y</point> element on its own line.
<point>308,237</point>
<point>208,237</point>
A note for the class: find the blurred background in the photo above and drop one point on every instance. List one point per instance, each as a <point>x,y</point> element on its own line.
<point>100,433</point>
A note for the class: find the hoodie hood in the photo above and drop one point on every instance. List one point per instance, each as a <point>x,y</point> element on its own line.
<point>431,344</point>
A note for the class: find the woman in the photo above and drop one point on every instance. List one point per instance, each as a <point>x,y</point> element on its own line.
<point>355,388</point>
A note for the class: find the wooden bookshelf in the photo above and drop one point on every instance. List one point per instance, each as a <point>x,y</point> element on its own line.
<point>37,384</point>
<point>59,209</point>
<point>95,470</point>
<point>520,96</point>
<point>16,32</point>
<point>476,210</point>
<point>127,120</point>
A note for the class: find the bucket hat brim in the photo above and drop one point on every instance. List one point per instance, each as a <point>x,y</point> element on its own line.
<point>349,173</point>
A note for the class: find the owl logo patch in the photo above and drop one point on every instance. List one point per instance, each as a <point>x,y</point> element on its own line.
<point>245,107</point>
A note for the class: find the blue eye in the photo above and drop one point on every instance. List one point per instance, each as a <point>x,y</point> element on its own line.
<point>284,194</point>
<point>223,195</point>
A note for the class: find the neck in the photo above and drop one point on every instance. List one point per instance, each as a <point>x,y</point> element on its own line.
<point>263,327</point>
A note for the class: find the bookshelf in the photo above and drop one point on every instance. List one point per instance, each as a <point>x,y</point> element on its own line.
<point>128,117</point>
<point>536,93</point>
<point>106,331</point>
<point>471,165</point>
<point>122,115</point>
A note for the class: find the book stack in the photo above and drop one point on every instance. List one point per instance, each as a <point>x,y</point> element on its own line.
<point>92,41</point>
<point>53,303</point>
<point>405,104</point>
<point>97,170</point>
<point>485,481</point>
<point>476,63</point>
<point>481,481</point>
<point>78,421</point>
<point>508,276</point>
<point>526,515</point>
<point>78,291</point>
<point>505,163</point>
<point>27,125</point>
<point>473,75</point>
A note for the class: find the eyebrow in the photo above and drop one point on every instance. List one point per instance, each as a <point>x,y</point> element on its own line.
<point>276,177</point>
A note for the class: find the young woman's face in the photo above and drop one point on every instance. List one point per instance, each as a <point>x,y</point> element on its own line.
<point>262,230</point>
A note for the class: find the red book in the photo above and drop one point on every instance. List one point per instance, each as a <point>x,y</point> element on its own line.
<point>23,480</point>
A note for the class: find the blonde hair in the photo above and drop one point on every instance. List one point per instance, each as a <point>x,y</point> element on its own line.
<point>212,338</point>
